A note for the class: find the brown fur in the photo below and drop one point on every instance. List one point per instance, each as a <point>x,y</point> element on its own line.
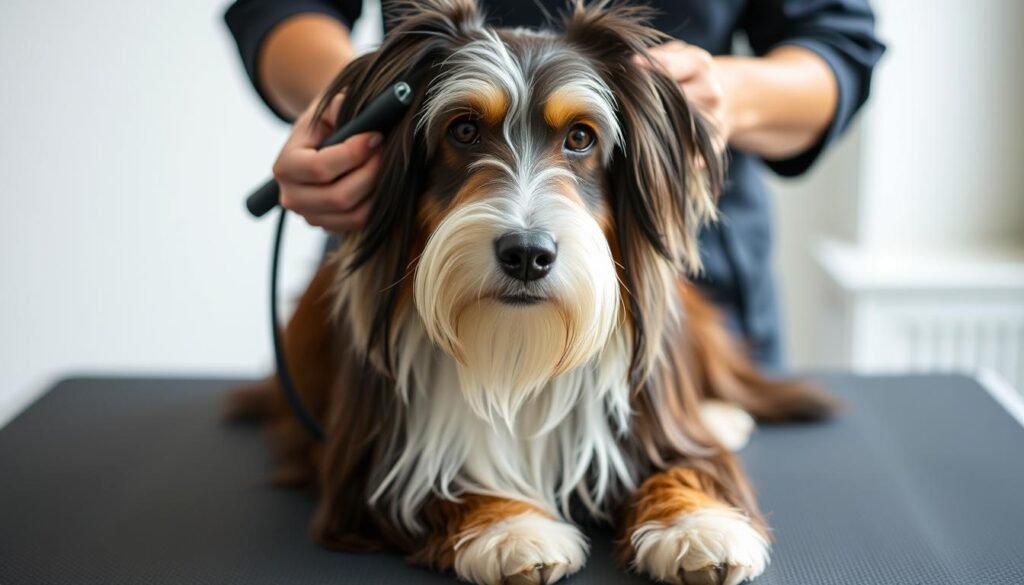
<point>668,494</point>
<point>723,371</point>
<point>338,351</point>
<point>672,493</point>
<point>449,522</point>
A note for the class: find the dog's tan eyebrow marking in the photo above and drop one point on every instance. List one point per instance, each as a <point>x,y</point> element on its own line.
<point>485,101</point>
<point>491,105</point>
<point>563,106</point>
<point>584,99</point>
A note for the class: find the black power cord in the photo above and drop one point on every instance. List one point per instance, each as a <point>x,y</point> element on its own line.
<point>284,375</point>
<point>381,114</point>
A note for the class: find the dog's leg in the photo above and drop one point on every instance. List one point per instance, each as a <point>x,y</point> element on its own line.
<point>724,373</point>
<point>495,541</point>
<point>678,531</point>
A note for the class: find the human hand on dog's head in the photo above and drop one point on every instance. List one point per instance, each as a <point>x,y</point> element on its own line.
<point>331,188</point>
<point>704,81</point>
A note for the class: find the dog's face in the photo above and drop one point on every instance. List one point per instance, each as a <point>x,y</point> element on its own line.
<point>517,278</point>
<point>545,192</point>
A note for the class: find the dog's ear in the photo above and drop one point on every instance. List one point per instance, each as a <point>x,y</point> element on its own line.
<point>423,34</point>
<point>664,176</point>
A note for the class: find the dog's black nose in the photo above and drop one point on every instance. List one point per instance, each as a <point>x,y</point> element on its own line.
<point>526,255</point>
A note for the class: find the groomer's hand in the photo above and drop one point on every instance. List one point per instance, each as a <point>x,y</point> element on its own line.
<point>705,80</point>
<point>330,188</point>
<point>776,106</point>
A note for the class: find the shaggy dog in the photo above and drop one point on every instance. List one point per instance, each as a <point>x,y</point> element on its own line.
<point>511,342</point>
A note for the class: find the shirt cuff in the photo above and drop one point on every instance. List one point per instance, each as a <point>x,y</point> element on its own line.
<point>849,99</point>
<point>251,22</point>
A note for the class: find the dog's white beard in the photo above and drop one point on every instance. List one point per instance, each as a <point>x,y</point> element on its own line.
<point>506,354</point>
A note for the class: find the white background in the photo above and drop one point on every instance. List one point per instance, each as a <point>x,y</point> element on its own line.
<point>129,137</point>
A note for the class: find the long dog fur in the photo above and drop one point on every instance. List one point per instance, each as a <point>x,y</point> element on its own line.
<point>348,343</point>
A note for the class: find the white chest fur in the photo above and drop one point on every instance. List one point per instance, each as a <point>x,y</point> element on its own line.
<point>564,440</point>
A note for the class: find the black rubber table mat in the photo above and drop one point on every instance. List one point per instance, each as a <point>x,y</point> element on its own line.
<point>130,481</point>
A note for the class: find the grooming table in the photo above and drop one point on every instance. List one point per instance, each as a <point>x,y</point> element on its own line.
<point>136,481</point>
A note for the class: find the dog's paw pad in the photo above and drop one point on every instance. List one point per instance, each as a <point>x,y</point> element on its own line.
<point>707,547</point>
<point>528,549</point>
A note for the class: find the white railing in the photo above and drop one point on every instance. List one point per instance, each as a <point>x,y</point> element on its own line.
<point>924,311</point>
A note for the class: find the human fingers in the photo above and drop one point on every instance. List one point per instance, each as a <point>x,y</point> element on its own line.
<point>682,62</point>
<point>340,196</point>
<point>306,165</point>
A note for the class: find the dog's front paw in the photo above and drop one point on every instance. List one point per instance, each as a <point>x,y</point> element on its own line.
<point>711,546</point>
<point>528,549</point>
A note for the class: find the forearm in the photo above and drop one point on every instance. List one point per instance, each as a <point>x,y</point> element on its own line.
<point>299,58</point>
<point>779,104</point>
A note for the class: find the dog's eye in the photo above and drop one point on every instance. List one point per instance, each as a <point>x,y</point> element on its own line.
<point>464,130</point>
<point>580,138</point>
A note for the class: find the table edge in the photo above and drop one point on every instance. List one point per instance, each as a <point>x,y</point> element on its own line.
<point>1001,391</point>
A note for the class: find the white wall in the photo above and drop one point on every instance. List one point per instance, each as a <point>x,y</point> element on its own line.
<point>944,156</point>
<point>128,139</point>
<point>933,170</point>
<point>822,202</point>
<point>932,183</point>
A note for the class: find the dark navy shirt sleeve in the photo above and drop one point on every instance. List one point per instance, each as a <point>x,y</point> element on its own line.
<point>251,20</point>
<point>842,32</point>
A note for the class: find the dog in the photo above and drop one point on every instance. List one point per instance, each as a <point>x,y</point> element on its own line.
<point>511,344</point>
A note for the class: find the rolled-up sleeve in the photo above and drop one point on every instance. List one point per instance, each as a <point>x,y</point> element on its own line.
<point>842,33</point>
<point>251,20</point>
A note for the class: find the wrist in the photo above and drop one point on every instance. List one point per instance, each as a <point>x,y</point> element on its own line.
<point>740,104</point>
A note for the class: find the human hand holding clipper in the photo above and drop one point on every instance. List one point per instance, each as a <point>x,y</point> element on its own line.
<point>310,173</point>
<point>380,115</point>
